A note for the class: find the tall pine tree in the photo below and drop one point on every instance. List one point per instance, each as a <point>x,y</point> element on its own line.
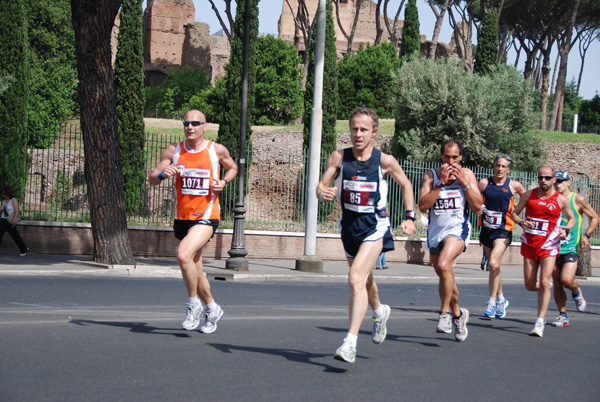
<point>411,41</point>
<point>129,83</point>
<point>330,90</point>
<point>487,44</point>
<point>14,62</point>
<point>230,124</point>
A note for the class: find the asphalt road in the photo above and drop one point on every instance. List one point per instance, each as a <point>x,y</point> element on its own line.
<point>112,339</point>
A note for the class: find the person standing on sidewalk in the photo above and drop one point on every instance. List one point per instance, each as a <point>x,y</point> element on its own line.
<point>446,192</point>
<point>195,164</point>
<point>361,187</point>
<point>496,228</point>
<point>8,220</point>
<point>566,263</point>
<point>541,238</point>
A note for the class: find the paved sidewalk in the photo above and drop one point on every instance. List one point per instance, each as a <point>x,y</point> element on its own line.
<point>259,270</point>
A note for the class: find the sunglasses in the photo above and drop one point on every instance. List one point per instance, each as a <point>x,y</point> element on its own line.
<point>193,123</point>
<point>547,178</point>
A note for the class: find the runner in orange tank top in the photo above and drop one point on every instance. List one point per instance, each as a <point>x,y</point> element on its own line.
<point>195,164</point>
<point>541,238</point>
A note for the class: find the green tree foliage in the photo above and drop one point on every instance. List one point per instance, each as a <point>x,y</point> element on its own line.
<point>278,94</point>
<point>171,99</point>
<point>129,84</point>
<point>330,90</point>
<point>590,112</point>
<point>5,82</point>
<point>210,100</point>
<point>53,73</point>
<point>230,121</point>
<point>14,61</point>
<point>365,77</point>
<point>488,114</point>
<point>411,41</point>
<point>487,45</point>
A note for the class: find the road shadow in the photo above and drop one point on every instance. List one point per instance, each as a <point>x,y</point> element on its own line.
<point>135,327</point>
<point>398,338</point>
<point>292,355</point>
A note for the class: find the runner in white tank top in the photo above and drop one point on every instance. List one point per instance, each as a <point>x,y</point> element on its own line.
<point>445,192</point>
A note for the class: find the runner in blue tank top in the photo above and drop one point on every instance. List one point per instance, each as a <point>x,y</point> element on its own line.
<point>359,173</point>
<point>445,193</point>
<point>496,228</point>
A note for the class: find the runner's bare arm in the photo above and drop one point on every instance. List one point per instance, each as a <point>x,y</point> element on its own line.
<point>587,209</point>
<point>334,163</point>
<point>390,165</point>
<point>517,210</point>
<point>165,166</point>
<point>228,163</point>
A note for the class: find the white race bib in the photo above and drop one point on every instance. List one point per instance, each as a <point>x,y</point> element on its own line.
<point>195,181</point>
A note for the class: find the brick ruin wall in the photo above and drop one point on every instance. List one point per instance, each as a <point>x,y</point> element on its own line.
<point>172,38</point>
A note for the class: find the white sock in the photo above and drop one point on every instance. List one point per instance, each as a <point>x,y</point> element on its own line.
<point>212,306</point>
<point>351,338</point>
<point>500,298</point>
<point>540,319</point>
<point>492,301</point>
<point>193,301</point>
<point>379,312</point>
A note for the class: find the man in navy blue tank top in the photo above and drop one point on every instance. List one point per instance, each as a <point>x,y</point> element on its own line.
<point>361,188</point>
<point>497,227</point>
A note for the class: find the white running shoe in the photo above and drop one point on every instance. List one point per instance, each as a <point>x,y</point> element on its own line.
<point>345,353</point>
<point>580,302</point>
<point>210,324</point>
<point>490,311</point>
<point>460,326</point>
<point>379,325</point>
<point>192,317</point>
<point>538,328</point>
<point>501,309</point>
<point>444,323</point>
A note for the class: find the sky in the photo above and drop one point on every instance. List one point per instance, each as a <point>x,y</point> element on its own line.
<point>270,10</point>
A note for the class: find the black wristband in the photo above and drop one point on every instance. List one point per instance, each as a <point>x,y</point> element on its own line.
<point>567,230</point>
<point>588,235</point>
<point>520,223</point>
<point>226,182</point>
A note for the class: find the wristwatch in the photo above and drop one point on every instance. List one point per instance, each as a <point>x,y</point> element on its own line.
<point>567,230</point>
<point>410,215</point>
<point>588,235</point>
<point>438,183</point>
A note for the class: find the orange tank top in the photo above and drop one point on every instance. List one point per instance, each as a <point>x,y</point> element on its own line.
<point>196,171</point>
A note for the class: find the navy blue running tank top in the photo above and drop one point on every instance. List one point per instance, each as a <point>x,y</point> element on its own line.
<point>362,188</point>
<point>498,203</point>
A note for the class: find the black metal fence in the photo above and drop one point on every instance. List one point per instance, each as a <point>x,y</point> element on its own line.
<point>55,190</point>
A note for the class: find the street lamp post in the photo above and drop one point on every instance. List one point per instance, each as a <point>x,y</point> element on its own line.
<point>237,254</point>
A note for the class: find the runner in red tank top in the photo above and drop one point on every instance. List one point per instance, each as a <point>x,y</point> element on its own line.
<point>195,165</point>
<point>541,238</point>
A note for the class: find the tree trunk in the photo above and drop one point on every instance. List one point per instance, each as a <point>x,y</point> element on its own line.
<point>545,81</point>
<point>395,36</point>
<point>93,21</point>
<point>564,49</point>
<point>378,29</point>
<point>349,37</point>
<point>439,19</point>
<point>584,262</point>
